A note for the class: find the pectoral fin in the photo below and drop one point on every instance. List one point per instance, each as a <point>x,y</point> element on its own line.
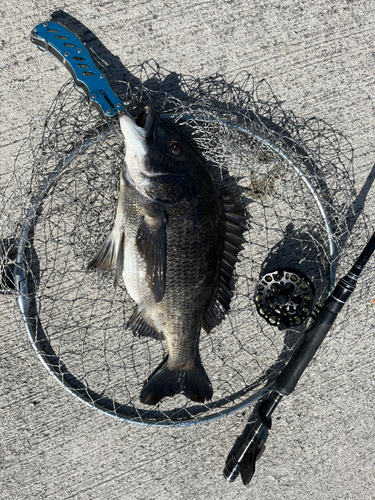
<point>151,243</point>
<point>110,254</point>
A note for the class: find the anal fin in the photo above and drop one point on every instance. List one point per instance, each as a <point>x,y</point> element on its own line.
<point>139,327</point>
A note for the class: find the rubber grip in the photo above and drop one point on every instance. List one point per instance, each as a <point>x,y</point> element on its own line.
<point>289,377</point>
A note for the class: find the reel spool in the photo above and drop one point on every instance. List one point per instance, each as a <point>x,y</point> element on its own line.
<point>285,297</point>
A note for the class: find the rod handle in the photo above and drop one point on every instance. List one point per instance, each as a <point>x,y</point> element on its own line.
<point>289,377</point>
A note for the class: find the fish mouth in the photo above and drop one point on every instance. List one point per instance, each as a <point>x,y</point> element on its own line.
<point>143,125</point>
<point>138,134</point>
<point>146,121</point>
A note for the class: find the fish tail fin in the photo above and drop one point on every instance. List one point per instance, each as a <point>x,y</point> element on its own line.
<point>166,381</point>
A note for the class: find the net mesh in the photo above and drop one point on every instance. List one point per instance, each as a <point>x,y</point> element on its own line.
<point>79,319</point>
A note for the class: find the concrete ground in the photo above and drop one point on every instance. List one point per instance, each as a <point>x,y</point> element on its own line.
<point>319,59</point>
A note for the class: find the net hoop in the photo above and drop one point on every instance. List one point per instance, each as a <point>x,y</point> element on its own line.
<point>20,277</point>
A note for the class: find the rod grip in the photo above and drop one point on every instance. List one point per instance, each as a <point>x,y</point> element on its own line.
<point>289,377</point>
<point>232,470</point>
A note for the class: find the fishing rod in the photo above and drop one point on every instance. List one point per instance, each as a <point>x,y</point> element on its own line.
<point>243,462</point>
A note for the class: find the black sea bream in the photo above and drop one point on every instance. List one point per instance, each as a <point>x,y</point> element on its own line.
<point>175,242</point>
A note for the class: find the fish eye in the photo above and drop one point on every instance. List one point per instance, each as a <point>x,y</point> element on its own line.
<point>175,147</point>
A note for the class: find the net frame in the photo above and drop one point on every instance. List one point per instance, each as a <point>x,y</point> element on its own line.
<point>274,142</point>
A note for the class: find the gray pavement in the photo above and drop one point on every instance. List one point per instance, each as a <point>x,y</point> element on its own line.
<point>319,59</point>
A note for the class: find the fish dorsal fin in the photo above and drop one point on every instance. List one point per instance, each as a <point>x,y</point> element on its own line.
<point>139,327</point>
<point>110,254</point>
<point>234,229</point>
<point>151,243</point>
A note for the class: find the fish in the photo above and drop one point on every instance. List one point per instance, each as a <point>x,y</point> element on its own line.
<point>175,241</point>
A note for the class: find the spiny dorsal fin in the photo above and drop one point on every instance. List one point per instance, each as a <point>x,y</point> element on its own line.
<point>234,229</point>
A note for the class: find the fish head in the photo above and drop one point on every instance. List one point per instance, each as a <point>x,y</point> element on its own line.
<point>159,163</point>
